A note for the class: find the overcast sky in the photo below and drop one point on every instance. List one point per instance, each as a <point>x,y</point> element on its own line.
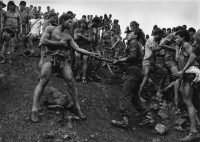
<point>164,13</point>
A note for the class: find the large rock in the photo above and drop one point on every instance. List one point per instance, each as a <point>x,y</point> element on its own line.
<point>54,97</point>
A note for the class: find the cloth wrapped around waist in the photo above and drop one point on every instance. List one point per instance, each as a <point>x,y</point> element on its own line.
<point>193,70</point>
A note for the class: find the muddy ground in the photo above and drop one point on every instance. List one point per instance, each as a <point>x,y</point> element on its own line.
<point>99,101</point>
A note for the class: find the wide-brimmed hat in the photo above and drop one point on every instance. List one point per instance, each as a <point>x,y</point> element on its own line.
<point>1,3</point>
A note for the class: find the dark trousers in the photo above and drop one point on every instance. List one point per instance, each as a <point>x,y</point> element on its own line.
<point>129,95</point>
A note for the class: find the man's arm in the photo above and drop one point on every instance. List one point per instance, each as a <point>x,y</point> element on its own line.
<point>167,47</point>
<point>192,57</point>
<point>132,55</point>
<point>80,50</point>
<point>115,44</point>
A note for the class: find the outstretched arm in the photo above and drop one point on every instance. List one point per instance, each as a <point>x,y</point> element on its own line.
<point>80,50</point>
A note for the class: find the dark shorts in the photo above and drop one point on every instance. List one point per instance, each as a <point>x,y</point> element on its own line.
<point>189,77</point>
<point>57,61</point>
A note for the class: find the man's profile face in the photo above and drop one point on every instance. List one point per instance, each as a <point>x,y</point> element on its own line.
<point>67,24</point>
<point>131,35</point>
<point>53,20</point>
<point>179,40</point>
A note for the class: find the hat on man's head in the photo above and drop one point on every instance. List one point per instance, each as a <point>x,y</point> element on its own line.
<point>197,36</point>
<point>3,4</point>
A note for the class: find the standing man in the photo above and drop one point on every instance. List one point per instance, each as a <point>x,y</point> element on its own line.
<point>83,38</point>
<point>186,61</point>
<point>56,41</point>
<point>34,28</point>
<point>131,80</point>
<point>10,19</point>
<point>24,18</point>
<point>149,62</point>
<point>2,5</point>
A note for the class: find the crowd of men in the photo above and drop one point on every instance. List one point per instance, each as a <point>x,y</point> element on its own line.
<point>67,43</point>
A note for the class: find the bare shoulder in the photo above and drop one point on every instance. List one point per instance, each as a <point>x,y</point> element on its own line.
<point>49,28</point>
<point>187,45</point>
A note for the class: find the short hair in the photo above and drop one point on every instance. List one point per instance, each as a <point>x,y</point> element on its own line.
<point>84,16</point>
<point>22,3</point>
<point>139,33</point>
<point>70,12</point>
<point>178,28</point>
<point>51,15</point>
<point>184,34</point>
<point>64,17</point>
<point>169,29</point>
<point>191,29</point>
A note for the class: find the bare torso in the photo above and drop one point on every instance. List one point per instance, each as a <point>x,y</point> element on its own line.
<point>11,19</point>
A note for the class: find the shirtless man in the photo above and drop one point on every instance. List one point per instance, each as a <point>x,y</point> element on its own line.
<point>83,38</point>
<point>24,18</point>
<point>186,61</point>
<point>10,19</point>
<point>149,62</point>
<point>56,41</point>
<point>169,45</point>
<point>2,5</point>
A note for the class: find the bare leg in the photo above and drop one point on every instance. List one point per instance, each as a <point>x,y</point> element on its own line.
<point>85,58</point>
<point>45,76</point>
<point>145,79</point>
<point>187,97</point>
<point>3,51</point>
<point>69,79</point>
<point>78,60</point>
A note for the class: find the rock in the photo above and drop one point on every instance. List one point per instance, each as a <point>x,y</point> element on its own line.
<point>160,128</point>
<point>163,114</point>
<point>180,121</point>
<point>156,140</point>
<point>53,96</point>
<point>2,75</point>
